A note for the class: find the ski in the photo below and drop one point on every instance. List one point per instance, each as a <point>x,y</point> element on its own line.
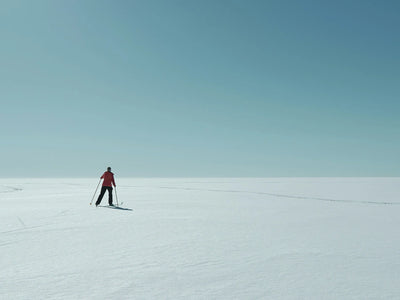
<point>115,207</point>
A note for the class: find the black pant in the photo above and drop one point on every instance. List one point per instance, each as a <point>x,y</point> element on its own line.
<point>103,191</point>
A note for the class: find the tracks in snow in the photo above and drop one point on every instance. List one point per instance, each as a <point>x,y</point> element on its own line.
<point>285,196</point>
<point>10,189</point>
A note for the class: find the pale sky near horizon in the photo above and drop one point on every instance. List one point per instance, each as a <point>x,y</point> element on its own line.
<point>200,88</point>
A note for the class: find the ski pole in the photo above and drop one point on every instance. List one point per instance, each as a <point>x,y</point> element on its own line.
<point>116,196</point>
<point>95,192</point>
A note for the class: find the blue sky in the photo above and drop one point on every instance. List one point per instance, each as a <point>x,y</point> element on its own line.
<point>200,88</point>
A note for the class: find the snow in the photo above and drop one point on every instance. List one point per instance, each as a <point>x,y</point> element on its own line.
<point>208,238</point>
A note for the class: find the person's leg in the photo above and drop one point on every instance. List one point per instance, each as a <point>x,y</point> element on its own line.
<point>103,190</point>
<point>110,198</point>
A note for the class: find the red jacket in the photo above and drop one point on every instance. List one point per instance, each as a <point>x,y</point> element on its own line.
<point>108,179</point>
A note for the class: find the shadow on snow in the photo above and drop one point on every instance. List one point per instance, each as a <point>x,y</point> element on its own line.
<point>115,207</point>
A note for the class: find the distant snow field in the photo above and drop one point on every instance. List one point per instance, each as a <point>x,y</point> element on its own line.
<point>208,238</point>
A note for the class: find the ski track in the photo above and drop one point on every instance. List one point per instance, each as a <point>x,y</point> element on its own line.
<point>24,229</point>
<point>10,189</point>
<point>285,196</point>
<point>22,222</point>
<point>272,194</point>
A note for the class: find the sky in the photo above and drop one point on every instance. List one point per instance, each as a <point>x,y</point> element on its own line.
<point>184,88</point>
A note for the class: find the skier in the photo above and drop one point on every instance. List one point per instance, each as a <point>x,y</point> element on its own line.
<point>108,182</point>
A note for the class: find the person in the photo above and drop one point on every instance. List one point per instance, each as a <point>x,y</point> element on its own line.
<point>108,182</point>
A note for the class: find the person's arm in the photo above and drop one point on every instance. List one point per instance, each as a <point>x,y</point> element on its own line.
<point>113,181</point>
<point>102,176</point>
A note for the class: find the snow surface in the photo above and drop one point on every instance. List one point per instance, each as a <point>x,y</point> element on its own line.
<point>263,238</point>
